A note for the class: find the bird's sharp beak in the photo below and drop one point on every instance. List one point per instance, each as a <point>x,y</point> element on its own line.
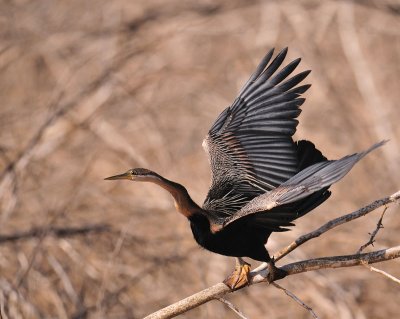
<point>120,176</point>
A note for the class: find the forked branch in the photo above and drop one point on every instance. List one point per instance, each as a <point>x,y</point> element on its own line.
<point>260,274</point>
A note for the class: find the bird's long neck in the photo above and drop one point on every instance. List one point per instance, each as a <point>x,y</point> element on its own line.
<point>183,202</point>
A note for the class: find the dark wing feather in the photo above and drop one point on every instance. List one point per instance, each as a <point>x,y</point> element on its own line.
<point>284,214</point>
<point>250,145</point>
<point>315,178</point>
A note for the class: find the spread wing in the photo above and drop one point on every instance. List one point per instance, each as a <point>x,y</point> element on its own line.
<point>250,145</point>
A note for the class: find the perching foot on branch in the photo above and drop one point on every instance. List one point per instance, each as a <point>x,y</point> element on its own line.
<point>240,276</point>
<point>275,273</point>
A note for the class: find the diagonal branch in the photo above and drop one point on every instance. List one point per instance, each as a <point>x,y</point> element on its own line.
<point>297,299</point>
<point>191,302</point>
<point>221,289</point>
<point>232,307</point>
<point>379,271</point>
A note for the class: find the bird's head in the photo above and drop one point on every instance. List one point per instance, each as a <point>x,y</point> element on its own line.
<point>136,174</point>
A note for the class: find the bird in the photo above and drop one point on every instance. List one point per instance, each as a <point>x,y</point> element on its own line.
<point>262,180</point>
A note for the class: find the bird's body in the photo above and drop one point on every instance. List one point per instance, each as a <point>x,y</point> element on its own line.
<point>239,239</point>
<point>261,179</point>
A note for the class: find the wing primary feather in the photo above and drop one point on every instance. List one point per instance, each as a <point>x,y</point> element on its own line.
<point>271,98</point>
<point>300,89</point>
<point>274,81</point>
<point>266,74</point>
<point>260,68</point>
<point>285,72</point>
<point>275,64</point>
<point>293,81</point>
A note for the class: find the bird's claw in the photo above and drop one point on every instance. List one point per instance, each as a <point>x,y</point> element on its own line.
<point>239,277</point>
<point>275,273</point>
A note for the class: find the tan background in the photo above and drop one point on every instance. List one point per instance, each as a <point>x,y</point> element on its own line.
<point>89,89</point>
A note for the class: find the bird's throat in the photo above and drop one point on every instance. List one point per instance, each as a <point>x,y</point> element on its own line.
<point>183,209</point>
<point>183,202</point>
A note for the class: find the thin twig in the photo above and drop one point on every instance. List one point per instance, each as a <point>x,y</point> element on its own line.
<point>371,240</point>
<point>232,307</point>
<point>297,299</point>
<point>379,271</point>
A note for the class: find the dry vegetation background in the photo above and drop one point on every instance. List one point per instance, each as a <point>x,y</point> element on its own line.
<point>89,89</point>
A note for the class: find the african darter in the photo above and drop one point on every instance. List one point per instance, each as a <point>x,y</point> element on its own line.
<point>261,179</point>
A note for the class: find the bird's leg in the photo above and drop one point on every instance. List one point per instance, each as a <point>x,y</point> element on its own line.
<point>240,276</point>
<point>274,273</point>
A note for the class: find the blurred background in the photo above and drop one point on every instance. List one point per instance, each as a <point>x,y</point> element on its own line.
<point>89,89</point>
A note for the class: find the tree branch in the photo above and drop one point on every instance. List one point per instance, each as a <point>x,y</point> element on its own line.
<point>260,274</point>
<point>191,302</point>
<point>391,277</point>
<point>220,289</point>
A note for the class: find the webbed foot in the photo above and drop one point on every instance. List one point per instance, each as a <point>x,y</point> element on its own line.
<point>240,276</point>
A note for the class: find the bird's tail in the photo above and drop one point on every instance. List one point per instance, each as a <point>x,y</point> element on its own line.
<point>320,175</point>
